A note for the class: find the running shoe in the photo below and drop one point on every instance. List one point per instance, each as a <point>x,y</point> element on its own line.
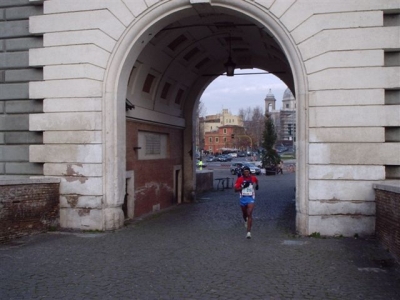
<point>248,236</point>
<point>245,224</point>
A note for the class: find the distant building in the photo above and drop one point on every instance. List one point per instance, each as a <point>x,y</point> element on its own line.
<point>284,119</point>
<point>288,117</point>
<point>213,122</point>
<point>225,137</point>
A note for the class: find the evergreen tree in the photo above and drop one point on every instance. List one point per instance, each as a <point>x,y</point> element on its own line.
<point>270,156</point>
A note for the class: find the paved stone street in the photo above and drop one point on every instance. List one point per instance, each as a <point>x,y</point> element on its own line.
<point>199,251</point>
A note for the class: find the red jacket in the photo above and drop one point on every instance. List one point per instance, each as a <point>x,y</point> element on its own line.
<point>242,179</point>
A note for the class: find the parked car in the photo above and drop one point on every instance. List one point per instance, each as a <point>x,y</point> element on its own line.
<point>224,158</point>
<point>281,149</point>
<point>253,169</point>
<point>241,154</point>
<point>211,159</point>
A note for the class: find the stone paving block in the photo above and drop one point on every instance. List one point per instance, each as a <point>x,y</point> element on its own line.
<point>1,137</point>
<point>12,29</point>
<point>320,22</point>
<point>73,169</point>
<point>118,8</point>
<point>1,14</point>
<point>347,134</point>
<point>98,19</point>
<point>136,6</point>
<point>73,71</point>
<point>72,137</point>
<point>355,78</point>
<point>65,88</point>
<point>350,39</point>
<point>72,104</point>
<point>69,55</point>
<point>23,106</point>
<point>24,12</point>
<point>14,60</point>
<point>95,36</point>
<point>355,116</point>
<point>23,169</point>
<point>2,168</point>
<point>14,122</point>
<point>21,44</point>
<point>23,137</point>
<point>354,154</point>
<point>14,153</point>
<point>71,121</point>
<point>6,3</point>
<point>347,97</point>
<point>79,201</point>
<point>23,75</point>
<point>66,154</point>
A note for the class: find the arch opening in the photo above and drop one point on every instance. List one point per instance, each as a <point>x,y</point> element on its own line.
<point>162,66</point>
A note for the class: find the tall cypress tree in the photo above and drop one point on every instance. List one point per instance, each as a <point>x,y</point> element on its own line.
<point>270,156</point>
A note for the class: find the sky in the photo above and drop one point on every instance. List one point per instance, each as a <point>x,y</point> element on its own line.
<point>241,91</point>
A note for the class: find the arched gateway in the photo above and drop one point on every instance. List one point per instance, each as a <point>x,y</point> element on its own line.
<point>122,79</point>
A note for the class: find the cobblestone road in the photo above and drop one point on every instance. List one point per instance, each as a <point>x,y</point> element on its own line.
<point>199,251</point>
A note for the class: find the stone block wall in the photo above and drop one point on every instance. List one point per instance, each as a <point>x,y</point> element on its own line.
<point>388,217</point>
<point>204,180</point>
<point>15,75</point>
<point>28,206</point>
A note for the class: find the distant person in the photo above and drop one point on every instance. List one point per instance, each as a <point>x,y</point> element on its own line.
<point>246,186</point>
<point>200,164</point>
<point>279,167</point>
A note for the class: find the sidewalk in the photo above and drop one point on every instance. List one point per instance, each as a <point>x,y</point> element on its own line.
<point>199,251</point>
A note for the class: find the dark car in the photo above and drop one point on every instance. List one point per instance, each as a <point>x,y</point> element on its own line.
<point>253,168</point>
<point>235,166</point>
<point>224,158</point>
<point>211,159</point>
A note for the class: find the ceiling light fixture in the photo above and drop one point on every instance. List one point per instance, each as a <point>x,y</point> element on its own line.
<point>230,65</point>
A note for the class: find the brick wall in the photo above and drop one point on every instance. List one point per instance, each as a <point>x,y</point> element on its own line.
<point>28,206</point>
<point>154,178</point>
<point>388,217</point>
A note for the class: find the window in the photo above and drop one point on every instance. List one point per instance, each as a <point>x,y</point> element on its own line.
<point>165,90</point>
<point>224,139</point>
<point>152,145</point>
<point>178,41</point>
<point>217,140</point>
<point>179,97</point>
<point>148,83</point>
<point>224,130</point>
<point>210,139</point>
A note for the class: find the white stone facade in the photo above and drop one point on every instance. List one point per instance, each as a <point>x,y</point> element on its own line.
<point>342,59</point>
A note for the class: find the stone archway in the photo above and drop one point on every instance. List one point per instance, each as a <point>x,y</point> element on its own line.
<point>121,63</point>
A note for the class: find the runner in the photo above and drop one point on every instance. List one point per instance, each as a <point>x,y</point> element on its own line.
<point>245,185</point>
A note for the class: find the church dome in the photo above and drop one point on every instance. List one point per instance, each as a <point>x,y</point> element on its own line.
<point>287,95</point>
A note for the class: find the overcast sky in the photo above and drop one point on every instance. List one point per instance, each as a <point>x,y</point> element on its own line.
<point>241,91</point>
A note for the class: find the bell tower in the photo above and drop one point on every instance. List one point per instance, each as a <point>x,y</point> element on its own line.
<point>269,102</point>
